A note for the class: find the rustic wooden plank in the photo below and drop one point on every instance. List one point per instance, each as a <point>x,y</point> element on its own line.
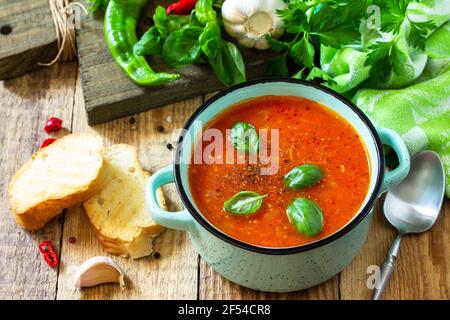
<point>422,268</point>
<point>27,36</point>
<point>27,103</point>
<point>109,93</point>
<point>174,274</point>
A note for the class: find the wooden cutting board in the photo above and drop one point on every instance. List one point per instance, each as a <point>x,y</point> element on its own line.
<point>27,36</point>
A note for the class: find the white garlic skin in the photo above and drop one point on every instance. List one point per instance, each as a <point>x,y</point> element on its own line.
<point>249,21</point>
<point>98,270</point>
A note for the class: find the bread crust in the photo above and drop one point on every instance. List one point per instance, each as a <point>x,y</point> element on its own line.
<point>140,244</point>
<point>35,217</point>
<point>120,247</point>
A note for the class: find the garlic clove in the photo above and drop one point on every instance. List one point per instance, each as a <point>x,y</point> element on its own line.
<point>250,21</point>
<point>262,44</point>
<point>232,14</point>
<point>235,30</point>
<point>247,42</point>
<point>98,270</point>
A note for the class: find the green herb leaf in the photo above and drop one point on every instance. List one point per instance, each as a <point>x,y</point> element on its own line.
<point>319,73</point>
<point>338,37</point>
<point>150,43</point>
<point>294,17</point>
<point>385,57</point>
<point>210,40</point>
<point>204,11</point>
<point>244,137</point>
<point>300,74</point>
<point>302,52</point>
<point>244,203</point>
<point>394,15</point>
<point>277,66</point>
<point>228,64</point>
<point>182,47</point>
<point>303,176</point>
<point>418,33</point>
<point>306,216</point>
<point>276,44</point>
<point>168,23</point>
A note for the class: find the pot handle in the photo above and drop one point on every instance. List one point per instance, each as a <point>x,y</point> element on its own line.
<point>181,220</point>
<point>397,175</point>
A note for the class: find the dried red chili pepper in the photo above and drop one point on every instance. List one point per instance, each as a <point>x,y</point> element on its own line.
<point>46,142</point>
<point>181,7</point>
<point>53,124</point>
<point>49,253</point>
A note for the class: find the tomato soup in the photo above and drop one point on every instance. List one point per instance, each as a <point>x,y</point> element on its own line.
<point>309,133</point>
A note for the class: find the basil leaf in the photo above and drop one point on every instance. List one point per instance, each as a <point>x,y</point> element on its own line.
<point>182,47</point>
<point>306,216</point>
<point>303,176</point>
<point>210,40</point>
<point>244,137</point>
<point>168,23</point>
<point>228,64</point>
<point>244,203</point>
<point>150,43</point>
<point>204,11</point>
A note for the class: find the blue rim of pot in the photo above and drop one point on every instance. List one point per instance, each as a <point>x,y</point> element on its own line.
<point>283,250</point>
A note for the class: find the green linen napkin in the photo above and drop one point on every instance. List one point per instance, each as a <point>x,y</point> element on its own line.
<point>419,113</point>
<point>415,102</point>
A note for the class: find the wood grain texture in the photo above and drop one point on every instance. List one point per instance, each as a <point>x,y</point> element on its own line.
<point>422,270</point>
<point>110,94</point>
<point>26,104</point>
<point>422,267</point>
<point>32,38</point>
<point>174,274</point>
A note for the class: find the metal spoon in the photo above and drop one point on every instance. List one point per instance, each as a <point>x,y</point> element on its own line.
<point>412,206</point>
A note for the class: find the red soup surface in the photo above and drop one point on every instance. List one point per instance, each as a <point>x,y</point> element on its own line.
<point>308,133</point>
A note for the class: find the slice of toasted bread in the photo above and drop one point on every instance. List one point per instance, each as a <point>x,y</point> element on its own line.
<point>56,177</point>
<point>118,211</point>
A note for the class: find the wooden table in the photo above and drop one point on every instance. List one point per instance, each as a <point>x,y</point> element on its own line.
<point>422,272</point>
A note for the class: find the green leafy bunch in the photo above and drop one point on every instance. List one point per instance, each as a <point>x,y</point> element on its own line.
<point>311,24</point>
<point>184,40</point>
<point>386,55</point>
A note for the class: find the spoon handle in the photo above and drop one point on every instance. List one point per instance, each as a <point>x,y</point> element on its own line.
<point>387,268</point>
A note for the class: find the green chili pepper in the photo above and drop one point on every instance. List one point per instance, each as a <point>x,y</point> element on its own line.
<point>121,18</point>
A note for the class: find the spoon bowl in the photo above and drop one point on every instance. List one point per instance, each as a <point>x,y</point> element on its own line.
<point>412,207</point>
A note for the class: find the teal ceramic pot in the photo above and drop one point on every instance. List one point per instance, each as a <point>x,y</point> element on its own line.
<point>277,269</point>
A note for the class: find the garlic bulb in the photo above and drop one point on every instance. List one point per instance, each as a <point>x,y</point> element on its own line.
<point>249,21</point>
<point>98,270</point>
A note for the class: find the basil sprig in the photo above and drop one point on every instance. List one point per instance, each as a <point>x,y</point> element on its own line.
<point>244,203</point>
<point>306,216</point>
<point>303,176</point>
<point>244,137</point>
